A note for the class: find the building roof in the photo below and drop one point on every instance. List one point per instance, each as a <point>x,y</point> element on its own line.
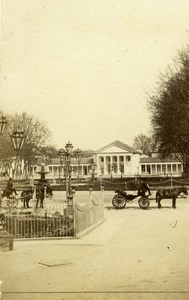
<point>120,145</point>
<point>56,161</point>
<point>158,160</point>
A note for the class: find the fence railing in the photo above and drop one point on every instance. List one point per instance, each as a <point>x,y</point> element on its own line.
<point>32,225</point>
<point>53,221</point>
<point>87,214</point>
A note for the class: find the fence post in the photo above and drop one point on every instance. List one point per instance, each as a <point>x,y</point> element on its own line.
<point>102,197</point>
<point>90,205</point>
<point>74,215</point>
<point>34,198</point>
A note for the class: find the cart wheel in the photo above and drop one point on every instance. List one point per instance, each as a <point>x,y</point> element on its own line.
<point>144,203</point>
<point>12,203</point>
<point>118,201</point>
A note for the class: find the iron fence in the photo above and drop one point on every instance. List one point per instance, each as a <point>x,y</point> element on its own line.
<point>46,224</point>
<point>88,214</point>
<point>53,221</point>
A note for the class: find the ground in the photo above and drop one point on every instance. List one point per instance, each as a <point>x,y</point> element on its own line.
<point>133,254</point>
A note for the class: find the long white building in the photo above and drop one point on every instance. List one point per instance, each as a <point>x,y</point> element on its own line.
<point>114,160</point>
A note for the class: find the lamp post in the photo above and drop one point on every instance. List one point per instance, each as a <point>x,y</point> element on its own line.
<point>68,152</point>
<point>3,123</point>
<point>61,155</point>
<point>64,156</point>
<point>78,155</point>
<point>18,139</point>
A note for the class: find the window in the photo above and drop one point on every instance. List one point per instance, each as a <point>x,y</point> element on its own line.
<point>174,168</point>
<point>128,158</point>
<point>148,169</point>
<point>143,168</point>
<point>158,169</point>
<point>55,171</point>
<point>169,168</point>
<point>153,169</point>
<point>84,170</point>
<point>179,168</point>
<point>164,169</point>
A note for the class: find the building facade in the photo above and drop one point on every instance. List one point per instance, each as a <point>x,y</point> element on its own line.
<point>115,160</point>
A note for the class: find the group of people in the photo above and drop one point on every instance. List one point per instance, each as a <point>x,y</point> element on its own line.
<point>10,191</point>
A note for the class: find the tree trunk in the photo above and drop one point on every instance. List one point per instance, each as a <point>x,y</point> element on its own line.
<point>186,169</point>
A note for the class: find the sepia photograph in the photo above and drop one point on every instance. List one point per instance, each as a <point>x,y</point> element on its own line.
<point>94,149</point>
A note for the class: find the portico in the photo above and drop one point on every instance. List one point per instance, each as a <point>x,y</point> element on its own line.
<point>116,160</point>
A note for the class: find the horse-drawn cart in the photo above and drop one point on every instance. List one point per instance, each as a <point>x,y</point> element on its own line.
<point>122,198</point>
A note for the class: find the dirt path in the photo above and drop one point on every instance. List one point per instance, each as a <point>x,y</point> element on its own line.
<point>134,254</point>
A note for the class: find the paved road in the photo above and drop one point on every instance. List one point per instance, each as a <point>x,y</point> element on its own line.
<point>134,254</point>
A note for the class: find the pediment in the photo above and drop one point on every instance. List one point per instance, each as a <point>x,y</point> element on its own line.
<point>113,149</point>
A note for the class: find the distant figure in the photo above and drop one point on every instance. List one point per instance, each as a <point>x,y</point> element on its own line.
<point>144,187</point>
<point>40,195</point>
<point>9,189</point>
<point>49,191</point>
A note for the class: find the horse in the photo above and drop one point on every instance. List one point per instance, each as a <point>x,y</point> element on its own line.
<point>170,193</point>
<point>26,196</point>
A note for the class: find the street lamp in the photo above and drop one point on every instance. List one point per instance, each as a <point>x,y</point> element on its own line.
<point>3,123</point>
<point>18,139</point>
<point>64,156</point>
<point>78,155</point>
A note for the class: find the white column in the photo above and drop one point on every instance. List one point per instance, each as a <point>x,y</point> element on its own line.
<point>176,168</point>
<point>171,169</point>
<point>99,164</point>
<point>52,171</point>
<point>111,165</point>
<point>105,166</point>
<point>82,170</point>
<point>125,168</point>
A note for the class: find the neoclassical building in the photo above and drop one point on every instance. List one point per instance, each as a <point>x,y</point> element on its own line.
<point>117,159</point>
<point>156,166</point>
<point>120,160</point>
<point>114,160</point>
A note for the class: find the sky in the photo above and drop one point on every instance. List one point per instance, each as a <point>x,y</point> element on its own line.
<point>86,67</point>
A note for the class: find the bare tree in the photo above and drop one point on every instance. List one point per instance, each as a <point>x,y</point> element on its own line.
<point>143,143</point>
<point>36,132</point>
<point>169,106</point>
